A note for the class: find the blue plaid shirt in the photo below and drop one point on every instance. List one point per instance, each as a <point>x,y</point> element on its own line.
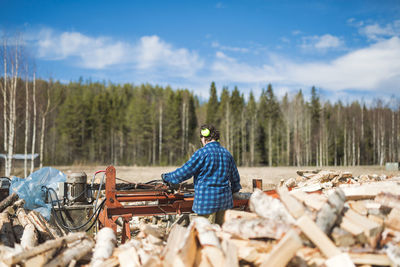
<point>215,178</point>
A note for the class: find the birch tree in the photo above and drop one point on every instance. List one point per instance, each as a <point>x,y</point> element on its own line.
<point>11,64</point>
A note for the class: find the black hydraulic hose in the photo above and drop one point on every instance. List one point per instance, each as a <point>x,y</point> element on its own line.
<point>62,222</point>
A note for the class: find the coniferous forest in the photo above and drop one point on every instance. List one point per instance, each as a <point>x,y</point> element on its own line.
<point>104,123</point>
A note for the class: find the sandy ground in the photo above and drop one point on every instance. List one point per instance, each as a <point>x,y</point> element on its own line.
<point>269,175</point>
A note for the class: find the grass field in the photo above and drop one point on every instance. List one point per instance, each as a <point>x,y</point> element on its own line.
<point>269,175</point>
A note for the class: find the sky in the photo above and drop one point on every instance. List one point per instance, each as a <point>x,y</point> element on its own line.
<point>347,49</point>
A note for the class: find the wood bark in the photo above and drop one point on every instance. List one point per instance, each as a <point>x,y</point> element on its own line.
<point>5,98</point>
<point>8,201</point>
<point>269,208</point>
<point>46,231</point>
<point>160,125</point>
<point>105,244</point>
<point>40,259</point>
<point>74,253</point>
<point>11,116</point>
<point>6,232</point>
<point>26,123</point>
<point>256,228</point>
<point>33,123</point>
<point>29,238</point>
<point>48,245</point>
<point>43,128</point>
<point>330,211</point>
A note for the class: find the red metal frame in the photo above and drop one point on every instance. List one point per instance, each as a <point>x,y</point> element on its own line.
<point>167,203</point>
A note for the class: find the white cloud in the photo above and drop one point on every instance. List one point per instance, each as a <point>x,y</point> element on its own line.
<point>323,42</point>
<point>230,70</point>
<point>297,32</point>
<point>96,53</point>
<point>150,52</point>
<point>229,48</point>
<point>155,53</point>
<point>377,32</point>
<point>373,68</point>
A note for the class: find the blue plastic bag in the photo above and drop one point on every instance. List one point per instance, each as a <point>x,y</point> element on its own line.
<point>30,188</point>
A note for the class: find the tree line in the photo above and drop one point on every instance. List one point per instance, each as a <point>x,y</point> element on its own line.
<point>295,131</point>
<point>126,124</point>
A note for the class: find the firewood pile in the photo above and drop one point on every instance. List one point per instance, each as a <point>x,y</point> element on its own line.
<point>320,219</point>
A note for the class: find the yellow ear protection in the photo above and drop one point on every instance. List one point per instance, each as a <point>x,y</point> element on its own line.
<point>205,132</point>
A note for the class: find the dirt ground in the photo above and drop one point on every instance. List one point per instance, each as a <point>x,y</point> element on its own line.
<point>269,175</point>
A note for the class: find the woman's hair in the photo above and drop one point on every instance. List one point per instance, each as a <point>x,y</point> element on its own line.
<point>209,132</point>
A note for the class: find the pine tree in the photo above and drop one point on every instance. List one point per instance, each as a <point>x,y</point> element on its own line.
<point>315,110</point>
<point>212,107</point>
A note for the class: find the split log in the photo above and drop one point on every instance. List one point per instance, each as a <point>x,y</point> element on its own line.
<point>393,252</point>
<point>369,190</point>
<point>342,238</point>
<point>231,250</point>
<point>358,206</point>
<point>40,259</point>
<point>8,201</point>
<point>330,211</point>
<point>23,217</point>
<point>303,172</point>
<point>238,214</point>
<point>211,250</point>
<point>291,182</point>
<point>6,232</point>
<point>295,208</point>
<point>148,229</point>
<point>371,229</point>
<point>29,238</point>
<point>314,201</point>
<point>255,228</point>
<point>374,207</point>
<point>309,187</point>
<point>284,251</point>
<point>210,256</point>
<point>324,176</point>
<point>181,247</point>
<point>393,219</point>
<point>379,220</point>
<point>18,204</point>
<point>342,260</point>
<point>48,245</point>
<point>105,244</point>
<point>45,229</point>
<point>311,256</point>
<point>388,199</point>
<point>129,258</point>
<point>74,253</point>
<point>371,259</point>
<point>153,262</point>
<point>249,250</point>
<point>353,228</point>
<point>269,208</point>
<point>110,262</point>
<point>315,234</point>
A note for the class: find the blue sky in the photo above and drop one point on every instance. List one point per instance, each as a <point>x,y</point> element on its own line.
<point>347,49</point>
